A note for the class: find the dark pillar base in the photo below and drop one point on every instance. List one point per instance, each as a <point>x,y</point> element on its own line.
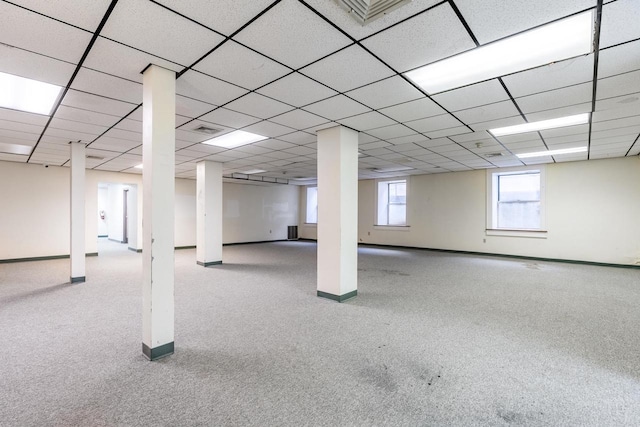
<point>78,279</point>
<point>157,352</point>
<point>339,298</point>
<point>210,263</point>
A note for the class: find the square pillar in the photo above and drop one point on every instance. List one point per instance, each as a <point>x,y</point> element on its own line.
<point>77,246</point>
<point>209,213</point>
<point>158,178</point>
<point>337,213</point>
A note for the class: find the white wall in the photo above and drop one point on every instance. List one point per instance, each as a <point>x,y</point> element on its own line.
<point>114,211</point>
<point>34,215</point>
<point>254,213</point>
<point>592,214</point>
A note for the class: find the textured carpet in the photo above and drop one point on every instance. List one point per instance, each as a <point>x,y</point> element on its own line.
<point>431,339</point>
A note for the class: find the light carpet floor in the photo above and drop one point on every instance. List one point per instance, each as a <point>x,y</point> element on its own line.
<point>431,339</point>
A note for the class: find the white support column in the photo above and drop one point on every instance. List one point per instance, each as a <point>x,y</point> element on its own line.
<point>337,213</point>
<point>77,254</point>
<point>158,178</point>
<point>209,214</point>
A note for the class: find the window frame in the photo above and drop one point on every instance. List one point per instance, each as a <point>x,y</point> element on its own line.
<point>492,202</point>
<point>387,226</point>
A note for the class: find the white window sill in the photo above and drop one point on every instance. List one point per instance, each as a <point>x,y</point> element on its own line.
<point>535,234</point>
<point>392,227</point>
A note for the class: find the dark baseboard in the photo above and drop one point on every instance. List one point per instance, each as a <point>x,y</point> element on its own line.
<point>135,250</point>
<point>78,279</point>
<point>158,352</point>
<point>339,298</point>
<point>103,236</point>
<point>207,264</point>
<point>252,243</point>
<point>177,248</point>
<point>117,241</point>
<point>452,251</point>
<point>41,258</point>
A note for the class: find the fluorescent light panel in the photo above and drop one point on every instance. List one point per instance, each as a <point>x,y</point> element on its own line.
<point>23,150</point>
<point>138,166</point>
<point>559,40</point>
<point>393,169</point>
<point>578,119</point>
<point>553,152</point>
<point>249,172</point>
<point>27,95</point>
<point>235,139</point>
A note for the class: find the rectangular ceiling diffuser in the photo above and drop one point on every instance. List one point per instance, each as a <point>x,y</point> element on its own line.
<point>365,11</point>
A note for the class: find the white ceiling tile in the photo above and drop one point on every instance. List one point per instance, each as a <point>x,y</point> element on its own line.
<point>229,118</point>
<point>33,66</point>
<point>620,106</point>
<point>161,32</point>
<point>391,91</point>
<point>629,131</point>
<point>448,132</point>
<point>108,86</point>
<point>58,123</point>
<point>292,34</point>
<point>619,85</point>
<point>403,140</point>
<point>236,64</point>
<point>227,16</point>
<point>299,138</point>
<point>552,76</point>
<point>114,144</point>
<point>40,34</point>
<point>300,150</point>
<point>265,128</point>
<point>30,131</point>
<point>348,69</point>
<point>619,22</point>
<point>296,89</point>
<point>130,125</point>
<point>85,14</point>
<point>488,112</point>
<point>564,131</point>
<point>85,116</point>
<point>298,119</point>
<point>337,107</point>
<point>619,59</point>
<point>13,157</point>
<point>189,107</point>
<point>571,95</point>
<point>70,135</point>
<point>122,61</point>
<point>430,36</point>
<point>494,19</point>
<point>124,134</point>
<point>257,105</point>
<point>393,131</point>
<point>196,85</point>
<point>471,96</point>
<point>366,121</point>
<point>431,124</point>
<point>617,123</point>
<point>274,144</point>
<point>23,117</point>
<point>413,110</point>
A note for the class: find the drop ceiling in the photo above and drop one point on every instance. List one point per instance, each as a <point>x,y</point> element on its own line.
<point>288,68</point>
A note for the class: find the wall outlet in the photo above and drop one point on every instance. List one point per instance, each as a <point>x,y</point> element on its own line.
<point>368,233</point>
<point>484,240</point>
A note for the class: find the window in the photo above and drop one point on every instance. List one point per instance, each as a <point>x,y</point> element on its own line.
<point>392,202</point>
<point>312,205</point>
<point>516,200</point>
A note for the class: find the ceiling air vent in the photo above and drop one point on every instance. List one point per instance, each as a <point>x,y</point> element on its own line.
<point>494,155</point>
<point>207,130</point>
<point>95,157</point>
<point>365,11</point>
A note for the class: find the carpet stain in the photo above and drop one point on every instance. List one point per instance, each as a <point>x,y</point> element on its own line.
<point>510,417</point>
<point>533,265</point>
<point>386,271</point>
<point>379,376</point>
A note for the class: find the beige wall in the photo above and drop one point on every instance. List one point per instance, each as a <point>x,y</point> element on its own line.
<point>592,214</point>
<point>34,210</point>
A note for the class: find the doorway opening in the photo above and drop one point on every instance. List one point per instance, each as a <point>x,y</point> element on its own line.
<point>118,218</point>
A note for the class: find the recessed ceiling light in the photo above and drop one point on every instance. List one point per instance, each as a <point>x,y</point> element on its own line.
<point>552,152</point>
<point>235,139</point>
<point>559,40</point>
<point>392,169</point>
<point>249,172</point>
<point>578,119</point>
<point>138,166</point>
<point>28,95</point>
<point>15,148</point>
